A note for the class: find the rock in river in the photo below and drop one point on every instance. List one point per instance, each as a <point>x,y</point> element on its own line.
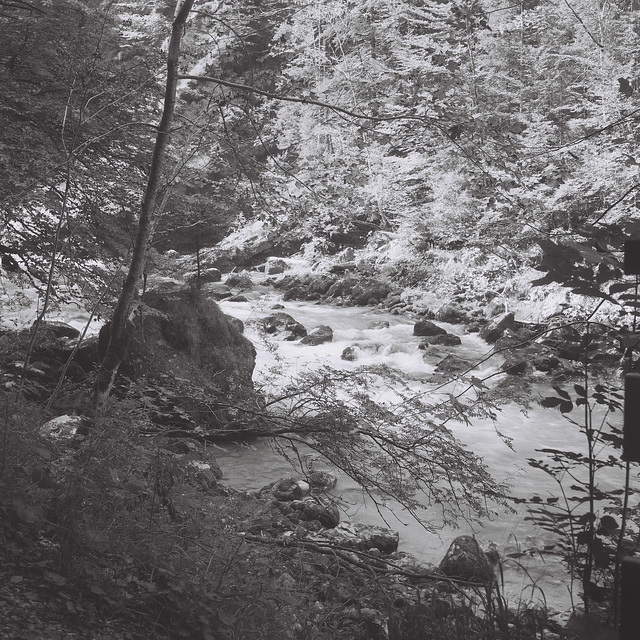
<point>318,336</point>
<point>284,325</point>
<point>289,489</point>
<point>427,328</point>
<point>446,340</point>
<point>495,329</point>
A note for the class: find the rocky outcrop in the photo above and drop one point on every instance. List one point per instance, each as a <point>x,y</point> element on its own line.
<point>250,247</point>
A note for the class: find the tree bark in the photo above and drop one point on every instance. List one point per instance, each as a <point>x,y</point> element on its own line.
<point>119,333</point>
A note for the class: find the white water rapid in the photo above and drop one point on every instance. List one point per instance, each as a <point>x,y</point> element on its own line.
<point>251,467</point>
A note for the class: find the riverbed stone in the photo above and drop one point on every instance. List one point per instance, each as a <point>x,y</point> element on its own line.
<point>546,363</point>
<point>239,280</point>
<point>326,513</point>
<point>275,266</point>
<point>497,327</point>
<point>322,480</point>
<point>453,364</point>
<point>445,340</point>
<point>207,276</point>
<point>515,366</point>
<point>453,313</point>
<point>283,325</point>
<point>350,354</point>
<point>465,560</point>
<point>364,537</point>
<point>219,291</point>
<point>289,489</point>
<point>427,328</point>
<point>343,267</point>
<point>318,336</point>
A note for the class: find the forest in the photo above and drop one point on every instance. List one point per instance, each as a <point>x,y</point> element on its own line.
<point>467,169</point>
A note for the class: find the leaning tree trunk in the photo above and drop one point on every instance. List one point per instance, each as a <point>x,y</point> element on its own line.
<point>117,344</point>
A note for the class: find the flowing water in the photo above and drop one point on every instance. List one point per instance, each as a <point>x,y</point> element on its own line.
<point>252,467</point>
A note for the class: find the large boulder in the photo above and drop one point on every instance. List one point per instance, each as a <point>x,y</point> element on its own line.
<point>427,328</point>
<point>284,325</point>
<point>497,327</point>
<point>359,290</point>
<point>306,287</point>
<point>465,560</point>
<point>59,329</point>
<point>183,335</point>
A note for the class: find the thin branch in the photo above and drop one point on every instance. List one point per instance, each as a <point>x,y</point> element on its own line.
<point>581,21</point>
<point>310,101</point>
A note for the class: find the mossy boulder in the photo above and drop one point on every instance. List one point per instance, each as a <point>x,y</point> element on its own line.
<point>184,335</point>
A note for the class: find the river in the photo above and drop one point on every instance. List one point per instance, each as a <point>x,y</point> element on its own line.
<point>534,577</point>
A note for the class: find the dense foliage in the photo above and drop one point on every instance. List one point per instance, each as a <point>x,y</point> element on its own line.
<point>418,130</point>
<point>448,124</point>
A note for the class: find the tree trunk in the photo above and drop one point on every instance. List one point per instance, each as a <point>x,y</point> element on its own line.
<point>119,333</point>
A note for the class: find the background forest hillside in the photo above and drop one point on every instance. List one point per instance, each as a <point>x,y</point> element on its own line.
<point>480,129</point>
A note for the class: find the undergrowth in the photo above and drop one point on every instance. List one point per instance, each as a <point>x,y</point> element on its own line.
<point>118,529</point>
